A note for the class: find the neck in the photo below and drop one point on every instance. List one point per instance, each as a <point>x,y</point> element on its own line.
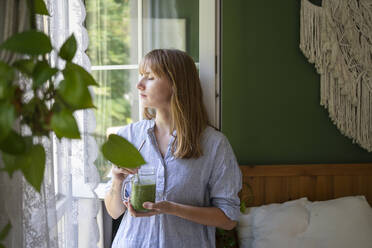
<point>163,121</point>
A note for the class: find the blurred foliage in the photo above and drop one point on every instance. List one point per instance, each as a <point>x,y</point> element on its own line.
<point>49,107</point>
<point>108,25</point>
<point>226,238</point>
<point>31,97</point>
<point>48,110</point>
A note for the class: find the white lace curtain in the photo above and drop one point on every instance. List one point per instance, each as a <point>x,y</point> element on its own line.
<point>64,214</point>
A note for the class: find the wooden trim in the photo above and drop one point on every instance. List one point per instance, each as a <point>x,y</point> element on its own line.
<point>264,184</point>
<point>307,170</point>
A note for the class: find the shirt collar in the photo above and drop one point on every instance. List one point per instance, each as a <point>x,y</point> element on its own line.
<point>151,128</point>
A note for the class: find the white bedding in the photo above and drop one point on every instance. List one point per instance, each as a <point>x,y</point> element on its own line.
<point>341,223</point>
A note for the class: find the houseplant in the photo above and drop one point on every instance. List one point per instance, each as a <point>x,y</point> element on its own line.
<point>44,105</point>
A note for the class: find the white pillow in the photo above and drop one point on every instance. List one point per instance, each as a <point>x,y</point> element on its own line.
<point>272,225</point>
<point>340,223</point>
<point>277,225</point>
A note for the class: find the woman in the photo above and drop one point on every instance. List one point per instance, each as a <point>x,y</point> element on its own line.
<point>198,178</point>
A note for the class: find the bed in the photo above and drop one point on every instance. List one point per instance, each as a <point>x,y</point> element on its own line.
<point>312,205</point>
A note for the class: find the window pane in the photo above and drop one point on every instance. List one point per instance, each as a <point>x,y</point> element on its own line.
<point>171,24</point>
<point>117,105</point>
<point>112,29</point>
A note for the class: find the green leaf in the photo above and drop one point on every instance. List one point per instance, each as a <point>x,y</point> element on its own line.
<point>7,117</point>
<point>10,163</point>
<point>25,66</point>
<point>40,7</point>
<point>242,207</point>
<point>76,94</point>
<point>13,143</point>
<point>6,90</point>
<point>57,106</point>
<point>42,73</point>
<point>78,74</point>
<point>6,72</point>
<point>6,77</point>
<point>121,152</point>
<point>68,49</point>
<point>4,232</point>
<point>14,162</point>
<point>30,42</point>
<point>33,166</point>
<point>64,125</point>
<point>74,89</point>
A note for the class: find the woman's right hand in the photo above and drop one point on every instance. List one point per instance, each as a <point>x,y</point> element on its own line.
<point>119,174</point>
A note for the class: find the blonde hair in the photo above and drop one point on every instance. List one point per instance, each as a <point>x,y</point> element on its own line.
<point>189,116</point>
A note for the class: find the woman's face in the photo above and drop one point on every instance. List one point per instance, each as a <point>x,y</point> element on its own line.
<point>154,92</point>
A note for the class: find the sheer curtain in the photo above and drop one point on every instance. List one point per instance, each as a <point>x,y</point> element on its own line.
<point>64,214</point>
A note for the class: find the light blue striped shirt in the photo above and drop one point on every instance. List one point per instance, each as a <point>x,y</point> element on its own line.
<point>213,179</point>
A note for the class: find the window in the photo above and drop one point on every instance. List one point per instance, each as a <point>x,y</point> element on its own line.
<point>121,32</point>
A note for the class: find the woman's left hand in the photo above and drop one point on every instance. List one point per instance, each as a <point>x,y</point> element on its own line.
<point>210,216</point>
<point>161,207</point>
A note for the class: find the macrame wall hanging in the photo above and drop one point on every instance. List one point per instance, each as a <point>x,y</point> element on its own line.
<point>337,38</point>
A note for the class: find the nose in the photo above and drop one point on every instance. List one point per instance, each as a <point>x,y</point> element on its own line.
<point>140,85</point>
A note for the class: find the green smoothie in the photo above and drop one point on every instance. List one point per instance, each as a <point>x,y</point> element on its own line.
<point>142,193</point>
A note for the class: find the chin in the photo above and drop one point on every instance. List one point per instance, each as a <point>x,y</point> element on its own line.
<point>147,105</point>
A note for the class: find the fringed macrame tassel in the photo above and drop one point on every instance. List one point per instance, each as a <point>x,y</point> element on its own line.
<point>310,36</point>
<point>337,38</point>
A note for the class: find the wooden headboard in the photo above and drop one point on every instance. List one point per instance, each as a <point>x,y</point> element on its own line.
<point>266,184</point>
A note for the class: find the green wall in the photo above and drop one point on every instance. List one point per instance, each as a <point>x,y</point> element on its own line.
<point>270,93</point>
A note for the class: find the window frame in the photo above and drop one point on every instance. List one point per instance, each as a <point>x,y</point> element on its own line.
<point>209,63</point>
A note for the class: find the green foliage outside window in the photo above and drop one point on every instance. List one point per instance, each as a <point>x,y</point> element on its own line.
<point>108,24</point>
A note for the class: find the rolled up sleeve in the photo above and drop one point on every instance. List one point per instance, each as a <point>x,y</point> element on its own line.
<point>226,181</point>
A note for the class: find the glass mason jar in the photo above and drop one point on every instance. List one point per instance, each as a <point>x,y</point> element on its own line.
<point>143,188</point>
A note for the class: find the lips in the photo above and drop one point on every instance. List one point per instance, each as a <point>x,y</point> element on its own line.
<point>142,95</point>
